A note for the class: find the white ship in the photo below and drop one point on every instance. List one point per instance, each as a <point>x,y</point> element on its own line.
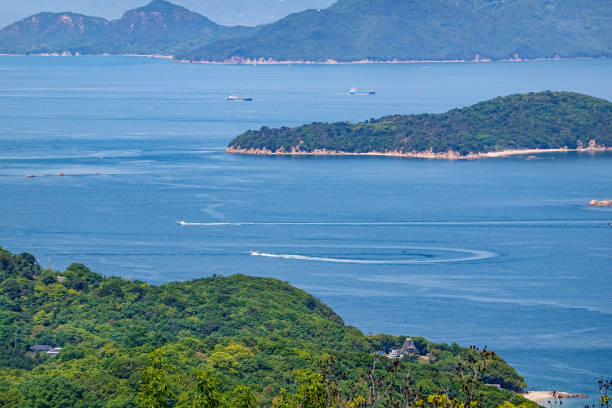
<point>234,98</point>
<point>355,91</point>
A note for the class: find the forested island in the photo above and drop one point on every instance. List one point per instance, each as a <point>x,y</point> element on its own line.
<point>516,124</point>
<point>77,339</point>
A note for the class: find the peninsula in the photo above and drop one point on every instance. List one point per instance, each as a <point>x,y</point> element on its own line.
<point>74,338</point>
<point>529,123</point>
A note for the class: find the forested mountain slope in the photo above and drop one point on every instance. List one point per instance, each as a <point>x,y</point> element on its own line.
<point>158,28</point>
<point>248,331</point>
<point>386,30</point>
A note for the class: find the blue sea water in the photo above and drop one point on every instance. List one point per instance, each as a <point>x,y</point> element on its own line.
<point>497,252</point>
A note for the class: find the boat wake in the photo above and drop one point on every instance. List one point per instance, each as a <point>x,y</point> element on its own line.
<point>468,255</point>
<point>526,223</point>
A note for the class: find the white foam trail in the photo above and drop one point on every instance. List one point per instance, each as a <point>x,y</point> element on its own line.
<point>472,255</point>
<point>400,223</point>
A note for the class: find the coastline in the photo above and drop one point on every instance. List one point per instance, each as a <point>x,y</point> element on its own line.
<point>450,155</point>
<point>69,54</point>
<point>541,396</point>
<point>331,61</point>
<point>271,61</point>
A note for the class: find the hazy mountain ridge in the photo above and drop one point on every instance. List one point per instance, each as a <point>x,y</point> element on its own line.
<point>385,30</point>
<point>158,28</point>
<point>228,12</point>
<point>349,30</point>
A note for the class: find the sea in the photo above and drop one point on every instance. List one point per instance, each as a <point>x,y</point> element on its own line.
<point>503,253</point>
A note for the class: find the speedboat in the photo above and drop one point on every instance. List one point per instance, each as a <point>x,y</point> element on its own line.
<point>255,253</point>
<point>181,223</point>
<point>234,98</point>
<point>355,91</point>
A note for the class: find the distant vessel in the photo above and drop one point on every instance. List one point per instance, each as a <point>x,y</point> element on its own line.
<point>255,253</point>
<point>181,223</point>
<point>234,98</point>
<point>355,91</point>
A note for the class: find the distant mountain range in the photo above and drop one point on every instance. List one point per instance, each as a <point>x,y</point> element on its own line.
<point>158,28</point>
<point>353,30</point>
<point>226,12</point>
<point>349,30</point>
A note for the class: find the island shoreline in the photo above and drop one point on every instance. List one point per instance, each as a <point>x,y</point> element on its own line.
<point>540,396</point>
<point>331,61</point>
<point>450,155</point>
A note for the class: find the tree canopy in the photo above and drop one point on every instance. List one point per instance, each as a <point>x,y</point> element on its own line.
<point>235,340</point>
<point>540,120</point>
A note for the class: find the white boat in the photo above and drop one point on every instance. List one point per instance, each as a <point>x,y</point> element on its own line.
<point>181,223</point>
<point>234,98</point>
<point>355,91</point>
<point>255,253</point>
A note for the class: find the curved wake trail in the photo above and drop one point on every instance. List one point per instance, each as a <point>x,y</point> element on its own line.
<point>471,255</point>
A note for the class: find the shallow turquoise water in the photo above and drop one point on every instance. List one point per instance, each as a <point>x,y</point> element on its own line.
<point>498,252</point>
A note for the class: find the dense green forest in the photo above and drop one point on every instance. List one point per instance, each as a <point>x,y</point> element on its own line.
<point>542,120</point>
<point>349,30</point>
<point>387,30</point>
<point>239,340</point>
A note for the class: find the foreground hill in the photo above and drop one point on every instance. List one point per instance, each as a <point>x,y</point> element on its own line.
<point>158,28</point>
<point>384,30</point>
<point>249,331</point>
<point>543,120</point>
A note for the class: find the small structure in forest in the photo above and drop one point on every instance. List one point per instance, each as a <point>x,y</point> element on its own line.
<point>407,349</point>
<point>54,351</point>
<point>40,348</point>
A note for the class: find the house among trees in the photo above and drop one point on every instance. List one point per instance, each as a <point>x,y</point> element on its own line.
<point>40,348</point>
<point>407,349</point>
<point>54,351</point>
<point>45,348</point>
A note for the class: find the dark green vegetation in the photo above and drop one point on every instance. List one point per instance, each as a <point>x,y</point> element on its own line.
<point>158,28</point>
<point>126,343</point>
<point>542,120</point>
<point>428,30</point>
<point>349,30</point>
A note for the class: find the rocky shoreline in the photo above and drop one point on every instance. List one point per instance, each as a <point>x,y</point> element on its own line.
<point>542,396</point>
<point>602,203</point>
<point>428,154</point>
<point>331,61</point>
<point>271,61</point>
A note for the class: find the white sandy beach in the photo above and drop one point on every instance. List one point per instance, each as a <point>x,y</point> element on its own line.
<point>450,155</point>
<point>541,396</point>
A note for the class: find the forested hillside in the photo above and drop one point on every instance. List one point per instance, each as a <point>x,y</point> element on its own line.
<point>349,30</point>
<point>158,28</point>
<point>542,120</point>
<point>386,30</point>
<point>124,343</point>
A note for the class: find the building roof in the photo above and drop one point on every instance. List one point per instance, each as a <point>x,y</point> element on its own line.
<point>409,347</point>
<point>55,350</point>
<point>41,347</point>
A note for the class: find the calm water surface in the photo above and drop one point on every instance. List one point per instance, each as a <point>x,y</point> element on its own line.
<point>499,252</point>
